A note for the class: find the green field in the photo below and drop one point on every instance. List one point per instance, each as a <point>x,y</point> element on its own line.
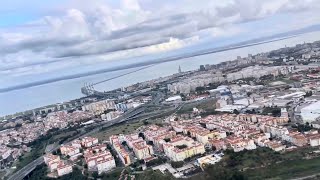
<point>208,105</point>
<point>154,175</point>
<point>286,169</point>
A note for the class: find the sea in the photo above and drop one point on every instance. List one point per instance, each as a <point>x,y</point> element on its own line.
<point>33,97</point>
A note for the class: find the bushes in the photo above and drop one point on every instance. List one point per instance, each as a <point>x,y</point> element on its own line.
<point>76,175</point>
<point>155,162</point>
<point>40,173</point>
<point>177,164</point>
<point>303,127</point>
<point>217,171</point>
<point>275,111</point>
<point>253,158</point>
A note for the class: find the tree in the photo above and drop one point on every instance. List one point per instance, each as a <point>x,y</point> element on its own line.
<point>217,171</point>
<point>304,127</point>
<point>214,148</point>
<point>276,112</point>
<point>200,89</point>
<point>156,161</point>
<point>177,164</point>
<point>141,135</point>
<point>308,94</point>
<point>18,125</point>
<point>183,97</point>
<point>95,175</point>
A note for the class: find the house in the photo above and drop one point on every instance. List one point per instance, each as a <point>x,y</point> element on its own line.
<point>63,169</point>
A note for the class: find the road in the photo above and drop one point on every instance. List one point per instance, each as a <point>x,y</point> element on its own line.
<point>307,177</point>
<point>19,175</point>
<point>129,115</point>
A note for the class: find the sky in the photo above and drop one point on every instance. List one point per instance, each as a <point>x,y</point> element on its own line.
<point>47,39</point>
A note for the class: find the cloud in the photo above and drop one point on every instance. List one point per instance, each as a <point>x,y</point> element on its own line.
<point>127,28</point>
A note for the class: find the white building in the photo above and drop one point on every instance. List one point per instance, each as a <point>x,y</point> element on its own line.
<point>99,107</point>
<point>110,116</point>
<point>174,99</point>
<point>100,161</point>
<point>314,140</point>
<point>64,169</point>
<point>311,112</point>
<point>69,150</point>
<point>89,141</point>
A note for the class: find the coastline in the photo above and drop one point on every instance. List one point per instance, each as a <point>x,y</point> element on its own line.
<point>66,90</point>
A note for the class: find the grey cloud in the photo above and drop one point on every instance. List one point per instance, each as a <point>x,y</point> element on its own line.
<point>41,44</point>
<point>99,37</point>
<point>134,37</point>
<point>101,47</point>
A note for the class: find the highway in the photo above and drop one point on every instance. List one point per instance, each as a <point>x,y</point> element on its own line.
<point>129,115</point>
<point>19,175</point>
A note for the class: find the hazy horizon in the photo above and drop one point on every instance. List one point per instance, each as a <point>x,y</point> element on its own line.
<point>58,38</point>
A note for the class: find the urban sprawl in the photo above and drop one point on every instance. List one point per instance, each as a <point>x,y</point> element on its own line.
<point>186,121</point>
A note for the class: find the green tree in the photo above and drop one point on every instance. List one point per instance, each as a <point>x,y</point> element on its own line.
<point>177,164</point>
<point>95,175</point>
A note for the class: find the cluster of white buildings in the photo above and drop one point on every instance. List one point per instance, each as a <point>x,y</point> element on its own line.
<point>99,107</point>
<point>139,146</point>
<point>99,159</point>
<point>116,143</point>
<point>22,135</point>
<point>110,115</point>
<point>57,167</point>
<point>183,139</point>
<point>203,79</point>
<point>259,71</point>
<point>132,103</point>
<point>190,84</point>
<point>62,119</point>
<point>251,130</point>
<point>110,110</point>
<point>96,157</point>
<point>181,147</point>
<point>186,138</point>
<point>29,132</point>
<point>9,154</point>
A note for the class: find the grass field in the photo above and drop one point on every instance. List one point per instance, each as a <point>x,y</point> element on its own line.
<point>279,166</point>
<point>208,105</point>
<point>286,169</point>
<point>263,163</point>
<point>154,175</point>
<point>62,135</point>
